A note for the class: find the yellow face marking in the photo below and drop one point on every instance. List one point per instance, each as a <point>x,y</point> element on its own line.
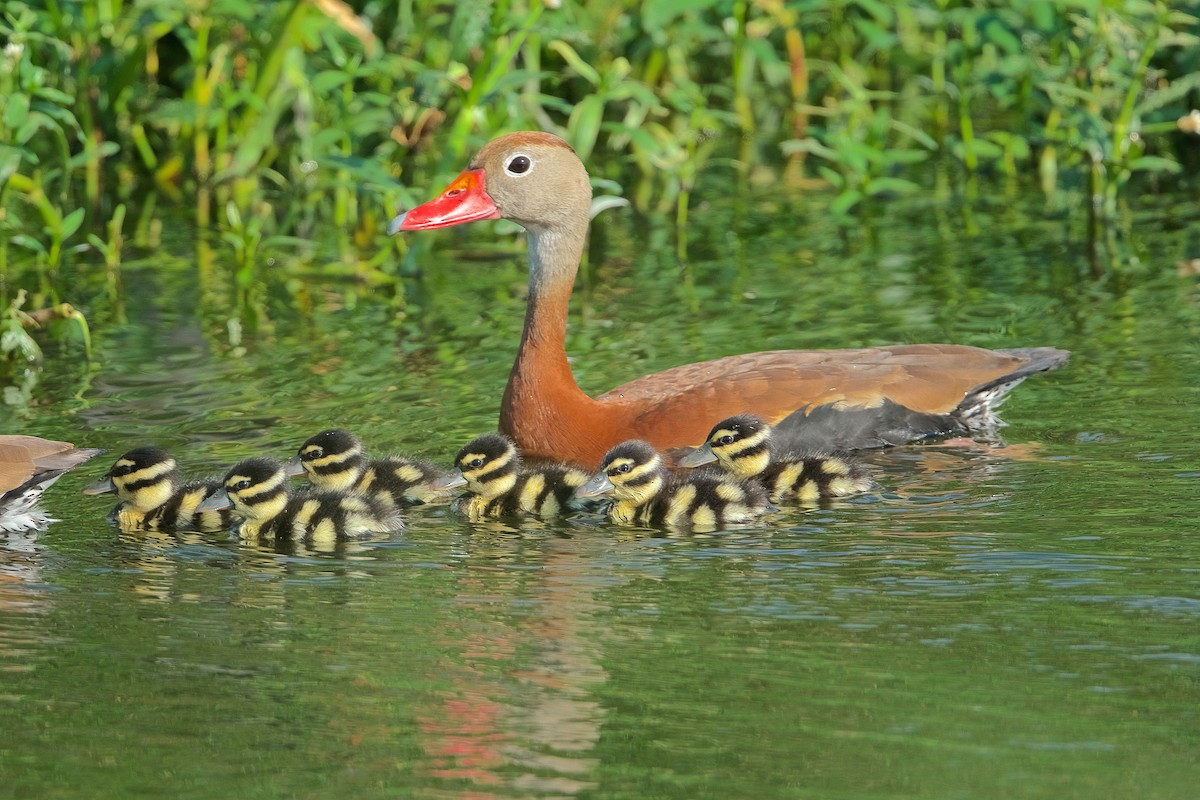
<point>625,474</point>
<point>465,463</point>
<point>731,447</point>
<point>257,501</point>
<point>748,466</point>
<point>493,488</point>
<point>146,498</point>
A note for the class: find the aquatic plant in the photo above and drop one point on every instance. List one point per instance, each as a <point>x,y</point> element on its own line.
<point>317,117</point>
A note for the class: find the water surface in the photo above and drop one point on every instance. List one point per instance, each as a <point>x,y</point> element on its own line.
<point>1012,621</point>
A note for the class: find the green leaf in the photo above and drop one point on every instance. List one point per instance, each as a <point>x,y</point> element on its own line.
<point>327,81</point>
<point>584,124</point>
<point>70,224</point>
<point>886,185</point>
<point>54,96</point>
<point>835,179</point>
<point>575,62</point>
<point>845,201</point>
<point>16,110</point>
<point>32,125</point>
<point>657,14</point>
<point>996,32</point>
<point>29,243</point>
<point>1154,164</point>
<point>10,162</point>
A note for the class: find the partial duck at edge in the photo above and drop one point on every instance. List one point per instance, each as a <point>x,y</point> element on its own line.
<point>829,399</point>
<point>28,466</point>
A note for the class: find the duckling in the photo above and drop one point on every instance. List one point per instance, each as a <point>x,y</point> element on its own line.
<point>154,498</point>
<point>500,485</point>
<point>257,489</point>
<point>644,492</point>
<point>744,447</point>
<point>334,459</point>
<point>28,466</point>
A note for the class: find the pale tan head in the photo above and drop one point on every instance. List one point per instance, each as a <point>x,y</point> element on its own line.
<point>535,179</point>
<point>532,178</point>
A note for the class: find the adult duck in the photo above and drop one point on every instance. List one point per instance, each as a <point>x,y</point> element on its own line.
<point>832,399</point>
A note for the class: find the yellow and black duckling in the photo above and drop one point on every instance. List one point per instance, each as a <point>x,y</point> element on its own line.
<point>258,491</point>
<point>646,493</point>
<point>28,466</point>
<point>743,447</point>
<point>154,498</point>
<point>334,459</point>
<point>500,485</point>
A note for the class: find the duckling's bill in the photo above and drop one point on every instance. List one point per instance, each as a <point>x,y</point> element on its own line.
<point>104,485</point>
<point>698,457</point>
<point>453,480</point>
<point>218,501</point>
<point>597,486</point>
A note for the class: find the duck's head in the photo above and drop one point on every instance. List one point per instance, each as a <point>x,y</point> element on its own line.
<point>331,459</point>
<point>740,444</point>
<point>257,488</point>
<point>144,478</point>
<point>487,466</point>
<point>632,471</point>
<point>532,178</point>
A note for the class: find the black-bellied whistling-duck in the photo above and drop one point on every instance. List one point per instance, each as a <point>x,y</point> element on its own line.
<point>334,459</point>
<point>833,399</point>
<point>257,489</point>
<point>745,448</point>
<point>644,492</point>
<point>28,466</point>
<point>500,485</point>
<point>154,497</point>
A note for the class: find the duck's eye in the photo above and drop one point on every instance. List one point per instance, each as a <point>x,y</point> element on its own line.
<point>476,463</point>
<point>726,439</point>
<point>518,164</point>
<point>623,468</point>
<point>314,452</point>
<point>241,486</point>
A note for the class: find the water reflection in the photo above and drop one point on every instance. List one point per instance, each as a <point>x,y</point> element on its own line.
<point>520,712</point>
<point>22,594</point>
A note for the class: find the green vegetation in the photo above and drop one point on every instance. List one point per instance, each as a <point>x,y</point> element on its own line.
<point>275,123</point>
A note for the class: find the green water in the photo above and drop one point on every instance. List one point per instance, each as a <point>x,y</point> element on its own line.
<point>1016,622</point>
